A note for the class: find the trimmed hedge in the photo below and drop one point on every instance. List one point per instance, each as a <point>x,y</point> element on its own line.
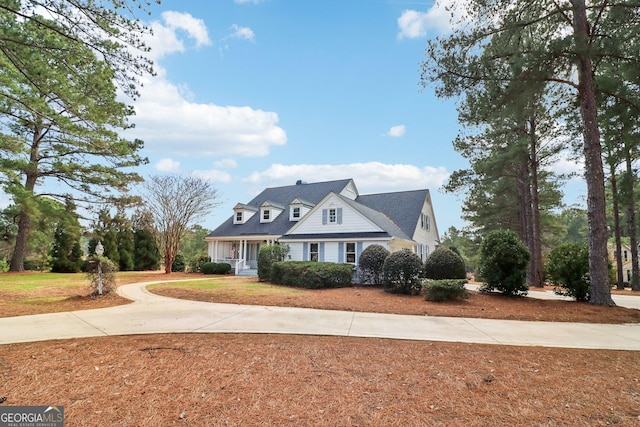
<point>371,264</point>
<point>443,263</point>
<point>445,290</point>
<point>402,271</point>
<point>311,275</point>
<point>215,268</point>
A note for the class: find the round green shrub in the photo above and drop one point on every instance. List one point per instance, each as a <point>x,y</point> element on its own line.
<point>503,263</point>
<point>215,268</point>
<point>402,271</point>
<point>445,290</point>
<point>371,264</point>
<point>443,263</point>
<point>267,256</point>
<point>568,267</point>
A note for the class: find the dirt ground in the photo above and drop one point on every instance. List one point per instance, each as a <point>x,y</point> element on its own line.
<point>374,299</point>
<point>280,380</point>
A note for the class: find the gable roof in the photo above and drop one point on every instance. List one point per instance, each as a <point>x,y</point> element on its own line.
<point>312,193</point>
<point>401,207</point>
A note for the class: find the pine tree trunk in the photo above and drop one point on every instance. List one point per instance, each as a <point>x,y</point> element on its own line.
<point>20,250</point>
<point>631,221</point>
<point>594,174</point>
<point>537,269</point>
<point>616,226</point>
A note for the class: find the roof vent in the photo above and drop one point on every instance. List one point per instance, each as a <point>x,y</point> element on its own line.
<point>300,182</point>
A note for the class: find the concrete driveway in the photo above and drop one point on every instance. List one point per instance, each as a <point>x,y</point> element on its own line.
<point>151,313</point>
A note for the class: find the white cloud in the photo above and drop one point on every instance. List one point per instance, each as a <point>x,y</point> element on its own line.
<point>169,120</point>
<point>441,17</point>
<point>372,177</point>
<point>166,40</point>
<point>212,175</point>
<point>225,164</point>
<point>569,164</point>
<point>167,165</point>
<point>243,33</point>
<point>5,200</point>
<point>396,131</point>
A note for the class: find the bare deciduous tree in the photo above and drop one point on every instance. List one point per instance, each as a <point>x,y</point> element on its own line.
<point>177,202</point>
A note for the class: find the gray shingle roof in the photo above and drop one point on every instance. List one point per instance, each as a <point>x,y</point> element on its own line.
<point>396,213</point>
<point>403,208</point>
<point>313,193</point>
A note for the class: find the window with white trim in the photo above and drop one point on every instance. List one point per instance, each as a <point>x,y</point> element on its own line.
<point>313,251</point>
<point>350,252</point>
<point>239,216</point>
<point>333,216</point>
<point>425,222</point>
<point>266,214</point>
<point>296,213</point>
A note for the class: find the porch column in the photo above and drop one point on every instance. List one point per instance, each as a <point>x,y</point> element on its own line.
<point>244,250</point>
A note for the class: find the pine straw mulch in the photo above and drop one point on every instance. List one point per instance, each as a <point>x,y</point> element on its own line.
<point>374,299</point>
<point>280,380</point>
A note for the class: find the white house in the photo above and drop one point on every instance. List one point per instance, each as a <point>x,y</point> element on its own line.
<point>325,221</point>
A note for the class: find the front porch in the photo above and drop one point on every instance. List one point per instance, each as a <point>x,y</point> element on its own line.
<point>241,253</point>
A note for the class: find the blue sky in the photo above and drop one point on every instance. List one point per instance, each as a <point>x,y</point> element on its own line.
<point>261,93</point>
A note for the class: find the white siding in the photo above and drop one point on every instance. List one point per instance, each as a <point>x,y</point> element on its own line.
<point>350,191</point>
<point>295,251</point>
<point>352,221</point>
<point>428,237</point>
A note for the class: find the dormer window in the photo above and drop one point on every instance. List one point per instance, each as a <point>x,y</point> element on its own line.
<point>266,214</point>
<point>298,208</point>
<point>242,213</point>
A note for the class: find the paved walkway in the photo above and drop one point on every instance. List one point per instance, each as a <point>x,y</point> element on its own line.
<point>151,313</point>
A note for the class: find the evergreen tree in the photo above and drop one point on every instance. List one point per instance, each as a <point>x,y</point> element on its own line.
<point>564,39</point>
<point>146,253</point>
<point>60,116</point>
<point>66,254</point>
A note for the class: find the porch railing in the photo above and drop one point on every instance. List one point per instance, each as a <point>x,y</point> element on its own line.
<point>240,265</point>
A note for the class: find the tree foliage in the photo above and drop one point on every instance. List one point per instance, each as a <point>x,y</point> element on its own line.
<point>175,203</point>
<point>568,267</point>
<point>570,46</point>
<point>60,116</point>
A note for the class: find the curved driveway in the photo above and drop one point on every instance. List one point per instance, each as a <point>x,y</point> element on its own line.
<point>151,313</point>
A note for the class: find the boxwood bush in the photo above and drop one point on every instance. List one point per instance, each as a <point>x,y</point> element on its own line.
<point>215,268</point>
<point>371,263</point>
<point>445,290</point>
<point>311,275</point>
<point>443,263</point>
<point>402,271</point>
